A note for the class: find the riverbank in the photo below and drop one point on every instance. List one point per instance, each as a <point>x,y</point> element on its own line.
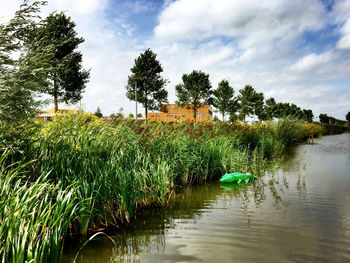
<point>90,174</point>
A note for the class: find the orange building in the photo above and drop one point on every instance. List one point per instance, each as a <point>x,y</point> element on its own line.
<point>174,113</point>
<point>49,115</point>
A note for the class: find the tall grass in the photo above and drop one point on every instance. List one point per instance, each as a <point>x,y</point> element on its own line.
<point>33,216</point>
<point>91,174</point>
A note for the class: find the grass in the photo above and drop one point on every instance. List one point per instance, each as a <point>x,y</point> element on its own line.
<point>89,173</point>
<point>33,216</point>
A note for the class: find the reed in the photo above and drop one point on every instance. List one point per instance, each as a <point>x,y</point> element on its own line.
<point>91,173</point>
<point>33,216</point>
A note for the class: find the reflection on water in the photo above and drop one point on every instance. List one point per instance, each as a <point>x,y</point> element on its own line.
<point>300,213</point>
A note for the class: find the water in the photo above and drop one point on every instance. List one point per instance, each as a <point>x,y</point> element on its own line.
<point>300,213</point>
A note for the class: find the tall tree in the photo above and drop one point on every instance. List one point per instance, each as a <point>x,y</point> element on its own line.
<point>270,108</point>
<point>324,118</point>
<point>250,102</point>
<point>223,99</point>
<point>57,41</point>
<point>20,74</point>
<point>259,106</point>
<point>347,116</point>
<point>195,90</point>
<point>308,115</point>
<point>147,82</point>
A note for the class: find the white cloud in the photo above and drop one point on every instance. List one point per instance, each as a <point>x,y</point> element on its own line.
<point>344,42</point>
<point>247,42</point>
<point>312,61</point>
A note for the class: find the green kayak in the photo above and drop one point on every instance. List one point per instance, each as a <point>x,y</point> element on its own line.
<point>237,178</point>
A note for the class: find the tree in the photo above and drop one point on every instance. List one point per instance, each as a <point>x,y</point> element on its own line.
<point>98,112</point>
<point>130,116</point>
<point>139,115</point>
<point>347,116</point>
<point>258,105</point>
<point>57,41</point>
<point>308,115</point>
<point>148,83</point>
<point>324,119</point>
<point>195,90</point>
<point>250,102</point>
<point>223,99</point>
<point>270,108</point>
<point>20,73</point>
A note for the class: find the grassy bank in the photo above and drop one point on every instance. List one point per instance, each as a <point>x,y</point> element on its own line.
<point>89,174</point>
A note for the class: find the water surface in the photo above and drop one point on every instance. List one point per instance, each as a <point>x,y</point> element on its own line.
<point>300,213</point>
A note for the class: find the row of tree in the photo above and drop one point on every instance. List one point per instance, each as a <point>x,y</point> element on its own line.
<point>325,119</point>
<point>147,86</point>
<point>38,56</point>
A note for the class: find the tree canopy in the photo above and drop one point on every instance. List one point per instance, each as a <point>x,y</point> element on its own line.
<point>250,102</point>
<point>196,89</point>
<point>98,112</point>
<point>57,41</point>
<point>20,75</point>
<point>347,116</point>
<point>224,99</point>
<point>146,79</point>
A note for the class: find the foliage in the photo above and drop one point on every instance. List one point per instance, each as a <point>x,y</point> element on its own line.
<point>347,117</point>
<point>92,173</point>
<point>147,81</point>
<point>195,90</point>
<point>57,41</point>
<point>98,112</point>
<point>224,100</point>
<point>308,115</point>
<point>33,216</point>
<point>270,108</point>
<point>20,72</point>
<point>250,102</point>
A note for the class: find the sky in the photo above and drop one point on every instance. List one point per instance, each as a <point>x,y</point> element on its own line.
<point>295,51</point>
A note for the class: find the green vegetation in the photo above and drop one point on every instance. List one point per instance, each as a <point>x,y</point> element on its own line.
<point>146,85</point>
<point>98,112</point>
<point>195,90</point>
<point>250,102</point>
<point>325,119</point>
<point>56,40</point>
<point>223,99</point>
<point>89,173</point>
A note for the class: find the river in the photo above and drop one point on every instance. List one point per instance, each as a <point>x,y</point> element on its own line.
<point>298,213</point>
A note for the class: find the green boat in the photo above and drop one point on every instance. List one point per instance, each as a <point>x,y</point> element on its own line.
<point>237,178</point>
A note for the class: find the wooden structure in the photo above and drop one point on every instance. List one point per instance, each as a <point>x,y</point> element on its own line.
<point>174,113</point>
<point>48,115</point>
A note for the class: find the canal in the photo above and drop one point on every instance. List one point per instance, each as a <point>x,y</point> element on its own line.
<point>297,213</point>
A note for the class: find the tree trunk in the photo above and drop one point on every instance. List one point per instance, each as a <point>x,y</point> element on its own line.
<point>146,112</point>
<point>223,117</point>
<point>55,96</point>
<point>195,112</point>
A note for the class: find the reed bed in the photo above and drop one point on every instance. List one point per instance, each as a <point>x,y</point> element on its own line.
<point>89,173</point>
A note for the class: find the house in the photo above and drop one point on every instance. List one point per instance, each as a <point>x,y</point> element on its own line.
<point>48,115</point>
<point>174,113</point>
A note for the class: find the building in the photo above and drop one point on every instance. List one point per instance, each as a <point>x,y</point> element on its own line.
<point>174,113</point>
<point>48,115</point>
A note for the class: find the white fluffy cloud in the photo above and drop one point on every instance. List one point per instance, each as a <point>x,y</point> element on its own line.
<point>264,46</point>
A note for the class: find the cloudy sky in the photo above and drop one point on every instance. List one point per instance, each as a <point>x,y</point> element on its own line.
<point>295,51</point>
